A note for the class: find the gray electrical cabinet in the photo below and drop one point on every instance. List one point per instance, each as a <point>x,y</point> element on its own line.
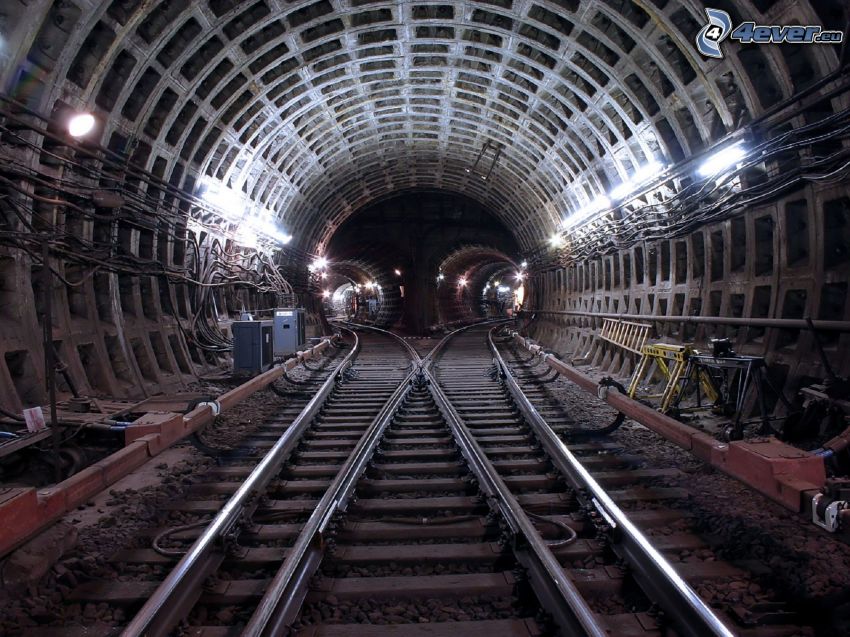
<point>253,346</point>
<point>289,331</point>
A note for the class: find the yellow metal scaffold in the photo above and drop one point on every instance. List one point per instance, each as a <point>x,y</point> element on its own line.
<point>672,362</point>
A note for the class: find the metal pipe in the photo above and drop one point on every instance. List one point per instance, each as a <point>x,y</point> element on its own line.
<point>791,324</point>
<point>49,363</point>
<point>677,598</point>
<point>153,618</point>
<point>671,429</point>
<point>729,458</point>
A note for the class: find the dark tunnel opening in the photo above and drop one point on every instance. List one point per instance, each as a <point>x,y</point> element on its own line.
<point>414,234</point>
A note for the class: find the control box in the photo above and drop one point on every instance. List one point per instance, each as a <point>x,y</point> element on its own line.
<point>289,331</point>
<point>253,346</point>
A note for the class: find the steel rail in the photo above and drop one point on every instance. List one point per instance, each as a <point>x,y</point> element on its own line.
<point>182,585</point>
<point>429,357</point>
<point>410,349</point>
<point>656,576</point>
<point>439,346</point>
<point>556,592</point>
<point>282,600</point>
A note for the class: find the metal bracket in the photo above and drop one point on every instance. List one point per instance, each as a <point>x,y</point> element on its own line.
<point>831,518</point>
<point>212,404</point>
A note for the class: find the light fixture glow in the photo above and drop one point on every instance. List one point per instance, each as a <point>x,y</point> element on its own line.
<point>263,225</point>
<point>253,223</point>
<point>641,175</point>
<point>600,203</point>
<point>397,272</point>
<point>230,202</point>
<point>461,282</point>
<point>326,294</point>
<point>722,159</point>
<point>319,263</point>
<point>556,240</point>
<point>520,275</point>
<point>503,288</point>
<point>246,237</point>
<point>441,276</point>
<point>618,192</point>
<point>647,172</point>
<point>524,264</point>
<point>81,124</point>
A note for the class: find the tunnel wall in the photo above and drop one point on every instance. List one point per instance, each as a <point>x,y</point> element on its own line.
<point>119,335</point>
<point>124,285</point>
<point>789,259</point>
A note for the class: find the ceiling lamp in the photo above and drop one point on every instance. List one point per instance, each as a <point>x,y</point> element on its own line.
<point>81,125</point>
<point>722,159</point>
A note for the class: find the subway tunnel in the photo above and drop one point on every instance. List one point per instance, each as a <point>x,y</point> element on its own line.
<point>605,176</point>
<point>224,128</point>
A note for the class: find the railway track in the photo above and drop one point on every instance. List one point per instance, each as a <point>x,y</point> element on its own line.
<point>413,496</point>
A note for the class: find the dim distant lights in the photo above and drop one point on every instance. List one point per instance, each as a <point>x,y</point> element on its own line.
<point>81,124</point>
<point>722,159</point>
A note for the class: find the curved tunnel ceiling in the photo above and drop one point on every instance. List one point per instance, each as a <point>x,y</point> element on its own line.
<point>317,108</point>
